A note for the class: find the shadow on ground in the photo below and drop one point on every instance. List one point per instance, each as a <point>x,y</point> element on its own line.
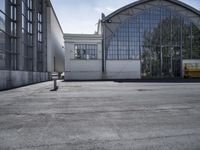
<point>153,80</point>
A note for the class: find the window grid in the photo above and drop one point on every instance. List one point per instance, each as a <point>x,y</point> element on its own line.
<point>40,52</point>
<point>8,53</point>
<point>155,27</point>
<point>27,34</point>
<point>85,51</point>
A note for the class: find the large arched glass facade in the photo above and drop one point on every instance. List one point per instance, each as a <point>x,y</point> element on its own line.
<point>159,37</point>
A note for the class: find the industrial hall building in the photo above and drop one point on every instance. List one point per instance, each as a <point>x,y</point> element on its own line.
<point>145,39</point>
<point>31,42</point>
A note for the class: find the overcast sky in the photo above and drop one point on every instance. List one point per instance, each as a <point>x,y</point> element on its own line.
<point>81,16</point>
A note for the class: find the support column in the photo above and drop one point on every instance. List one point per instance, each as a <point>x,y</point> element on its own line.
<point>161,47</point>
<point>19,36</point>
<point>140,53</point>
<point>8,40</point>
<point>191,40</point>
<point>161,61</point>
<point>181,52</point>
<point>104,49</point>
<point>44,35</point>
<point>35,35</point>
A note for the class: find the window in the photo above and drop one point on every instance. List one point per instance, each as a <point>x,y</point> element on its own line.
<point>85,51</point>
<point>40,51</point>
<point>195,42</point>
<point>2,5</point>
<point>2,21</point>
<point>2,41</point>
<point>27,34</point>
<point>154,27</point>
<point>8,51</point>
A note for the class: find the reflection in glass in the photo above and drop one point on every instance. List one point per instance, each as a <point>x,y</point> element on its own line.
<point>2,41</point>
<point>154,36</point>
<point>85,51</point>
<point>2,5</point>
<point>2,21</point>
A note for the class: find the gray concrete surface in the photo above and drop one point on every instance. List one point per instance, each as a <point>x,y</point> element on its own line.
<point>101,116</point>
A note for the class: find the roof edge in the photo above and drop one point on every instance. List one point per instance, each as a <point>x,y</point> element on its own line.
<point>81,35</point>
<point>139,2</point>
<point>49,4</point>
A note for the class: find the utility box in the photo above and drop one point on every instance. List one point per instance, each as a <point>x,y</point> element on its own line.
<point>192,70</point>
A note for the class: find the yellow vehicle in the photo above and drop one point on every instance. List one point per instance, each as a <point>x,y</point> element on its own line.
<point>192,70</point>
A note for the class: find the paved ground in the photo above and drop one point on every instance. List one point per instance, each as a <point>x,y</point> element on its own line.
<point>101,116</point>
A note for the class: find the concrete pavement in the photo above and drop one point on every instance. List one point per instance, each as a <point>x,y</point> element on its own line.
<point>101,116</point>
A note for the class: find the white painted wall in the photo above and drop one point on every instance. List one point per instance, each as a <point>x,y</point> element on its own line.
<point>123,69</point>
<point>82,69</point>
<point>55,45</point>
<point>92,69</point>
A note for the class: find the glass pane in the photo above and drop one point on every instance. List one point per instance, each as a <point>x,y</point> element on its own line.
<point>195,42</point>
<point>2,41</point>
<point>85,51</point>
<point>2,21</point>
<point>2,5</point>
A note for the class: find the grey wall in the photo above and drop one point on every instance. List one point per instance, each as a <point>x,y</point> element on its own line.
<point>55,48</point>
<point>12,79</point>
<point>55,45</point>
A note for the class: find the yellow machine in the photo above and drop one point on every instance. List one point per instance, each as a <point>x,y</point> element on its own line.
<point>192,70</point>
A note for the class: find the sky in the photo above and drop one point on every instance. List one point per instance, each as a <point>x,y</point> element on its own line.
<point>81,16</point>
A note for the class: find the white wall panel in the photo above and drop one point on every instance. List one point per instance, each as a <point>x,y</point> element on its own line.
<point>123,69</point>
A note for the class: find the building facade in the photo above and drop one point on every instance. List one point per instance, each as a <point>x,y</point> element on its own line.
<point>149,39</point>
<point>83,57</point>
<point>24,42</point>
<point>55,43</point>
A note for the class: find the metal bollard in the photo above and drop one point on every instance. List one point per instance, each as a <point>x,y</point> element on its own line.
<point>55,78</point>
<point>55,85</point>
